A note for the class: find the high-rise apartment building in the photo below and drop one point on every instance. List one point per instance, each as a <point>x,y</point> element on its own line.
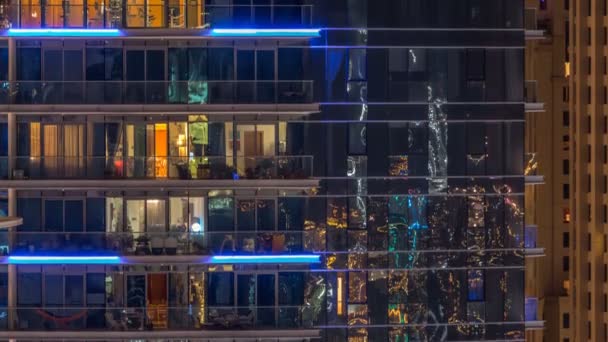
<point>548,144</point>
<point>341,170</point>
<point>579,186</point>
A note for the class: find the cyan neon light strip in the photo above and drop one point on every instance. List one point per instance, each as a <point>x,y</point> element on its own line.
<point>265,259</point>
<point>62,260</point>
<point>250,32</point>
<point>64,33</point>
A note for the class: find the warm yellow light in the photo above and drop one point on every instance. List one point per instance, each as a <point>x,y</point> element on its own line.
<point>567,69</point>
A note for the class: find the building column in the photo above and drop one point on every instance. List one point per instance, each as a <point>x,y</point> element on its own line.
<point>12,269</point>
<point>12,193</point>
<point>12,122</point>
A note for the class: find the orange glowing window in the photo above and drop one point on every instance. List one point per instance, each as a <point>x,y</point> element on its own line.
<point>566,215</point>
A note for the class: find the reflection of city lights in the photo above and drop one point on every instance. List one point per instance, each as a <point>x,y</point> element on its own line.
<point>340,294</point>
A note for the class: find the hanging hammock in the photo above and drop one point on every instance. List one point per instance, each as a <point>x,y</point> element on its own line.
<point>61,320</point>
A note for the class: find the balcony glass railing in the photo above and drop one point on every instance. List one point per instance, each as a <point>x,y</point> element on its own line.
<point>175,242</point>
<point>197,316</point>
<point>156,92</point>
<point>261,167</point>
<point>119,14</point>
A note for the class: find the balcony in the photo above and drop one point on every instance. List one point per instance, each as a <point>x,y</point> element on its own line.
<point>530,239</point>
<point>198,320</point>
<point>532,104</point>
<point>155,96</point>
<point>531,169</point>
<point>163,172</point>
<point>180,245</point>
<point>532,31</point>
<point>531,314</point>
<point>154,15</point>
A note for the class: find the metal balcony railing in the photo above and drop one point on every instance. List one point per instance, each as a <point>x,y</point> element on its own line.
<point>119,14</point>
<point>235,168</point>
<point>156,92</point>
<point>197,316</point>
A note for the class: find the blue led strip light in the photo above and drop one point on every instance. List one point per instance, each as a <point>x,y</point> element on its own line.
<point>251,32</point>
<point>61,260</point>
<point>64,33</point>
<point>265,259</point>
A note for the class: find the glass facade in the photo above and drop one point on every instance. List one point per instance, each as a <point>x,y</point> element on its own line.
<point>406,177</point>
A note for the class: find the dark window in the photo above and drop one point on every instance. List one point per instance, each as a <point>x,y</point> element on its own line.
<point>219,282</point>
<point>605,184</point>
<point>96,294</point>
<point>29,291</point>
<point>31,211</point>
<point>604,212</point>
<point>565,94</point>
<point>566,239</point>
<point>566,118</point>
<point>566,191</point>
<point>566,166</point>
<point>605,124</point>
<point>566,320</point>
<point>74,216</point>
<point>588,65</point>
<point>53,215</point>
<point>588,153</point>
<point>3,140</point>
<point>588,300</point>
<point>605,273</point>
<point>588,271</point>
<point>588,94</point>
<point>565,263</point>
<point>589,243</point>
<point>96,215</point>
<point>605,154</point>
<point>588,123</point>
